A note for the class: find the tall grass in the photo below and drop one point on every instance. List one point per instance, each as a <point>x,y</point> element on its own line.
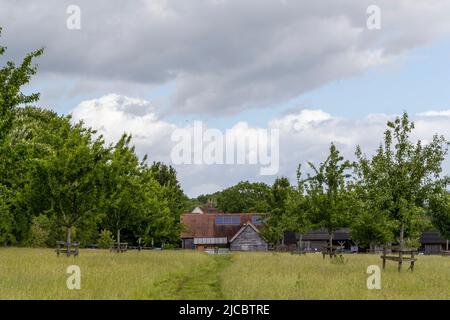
<point>286,276</point>
<point>39,274</point>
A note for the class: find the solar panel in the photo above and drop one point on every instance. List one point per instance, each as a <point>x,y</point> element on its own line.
<point>228,220</point>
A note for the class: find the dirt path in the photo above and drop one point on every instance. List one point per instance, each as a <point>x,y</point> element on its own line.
<point>202,283</point>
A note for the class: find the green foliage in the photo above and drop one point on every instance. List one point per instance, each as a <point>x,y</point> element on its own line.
<point>6,219</point>
<point>245,197</point>
<point>396,185</point>
<point>70,176</point>
<point>170,203</point>
<point>12,79</point>
<point>328,197</point>
<point>298,210</point>
<point>40,231</point>
<point>279,219</point>
<point>440,213</point>
<point>123,196</point>
<point>105,239</point>
<point>160,224</point>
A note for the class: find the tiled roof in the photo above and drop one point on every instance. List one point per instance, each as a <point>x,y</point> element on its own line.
<point>204,226</point>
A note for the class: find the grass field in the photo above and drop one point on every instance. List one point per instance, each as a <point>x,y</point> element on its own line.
<point>39,274</point>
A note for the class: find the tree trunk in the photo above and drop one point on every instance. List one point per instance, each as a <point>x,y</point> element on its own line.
<point>68,237</point>
<point>118,240</point>
<point>447,245</point>
<point>402,236</point>
<point>300,242</point>
<point>331,239</point>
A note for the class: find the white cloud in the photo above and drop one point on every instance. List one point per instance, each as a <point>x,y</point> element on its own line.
<point>112,115</point>
<point>445,113</point>
<point>305,135</point>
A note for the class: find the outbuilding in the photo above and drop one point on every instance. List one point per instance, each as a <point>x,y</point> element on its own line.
<point>248,238</point>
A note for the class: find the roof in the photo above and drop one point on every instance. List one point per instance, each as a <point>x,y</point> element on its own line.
<point>197,210</point>
<point>206,208</point>
<point>431,237</point>
<point>316,235</point>
<point>204,225</point>
<point>245,226</point>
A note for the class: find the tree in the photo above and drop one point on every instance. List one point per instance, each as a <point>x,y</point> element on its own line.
<point>123,200</point>
<point>35,134</point>
<point>327,194</point>
<point>278,223</point>
<point>12,79</point>
<point>440,214</point>
<point>297,209</point>
<point>245,197</point>
<point>159,224</point>
<point>70,177</point>
<point>172,193</point>
<point>399,181</point>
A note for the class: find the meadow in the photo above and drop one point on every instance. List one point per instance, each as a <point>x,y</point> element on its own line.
<point>39,274</point>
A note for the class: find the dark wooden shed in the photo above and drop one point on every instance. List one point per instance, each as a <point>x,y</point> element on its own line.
<point>432,242</point>
<point>248,239</point>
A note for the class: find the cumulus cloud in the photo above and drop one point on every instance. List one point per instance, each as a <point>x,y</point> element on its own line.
<point>305,135</point>
<point>222,56</point>
<point>113,114</point>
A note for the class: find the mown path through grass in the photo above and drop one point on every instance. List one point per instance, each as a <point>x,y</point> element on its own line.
<point>204,282</point>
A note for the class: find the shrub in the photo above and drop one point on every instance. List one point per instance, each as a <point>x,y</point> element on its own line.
<point>105,239</point>
<point>39,231</point>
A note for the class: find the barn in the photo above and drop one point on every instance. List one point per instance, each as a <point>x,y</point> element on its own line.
<point>433,243</point>
<point>248,239</point>
<point>234,231</point>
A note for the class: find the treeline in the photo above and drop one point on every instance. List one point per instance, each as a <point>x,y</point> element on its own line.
<point>59,180</point>
<point>390,197</point>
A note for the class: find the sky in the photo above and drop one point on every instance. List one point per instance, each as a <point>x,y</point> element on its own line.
<point>310,70</point>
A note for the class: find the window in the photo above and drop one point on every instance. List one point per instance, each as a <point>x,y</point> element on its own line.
<point>258,220</point>
<point>228,220</point>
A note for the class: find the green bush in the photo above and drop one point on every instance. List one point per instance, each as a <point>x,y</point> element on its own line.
<point>6,223</point>
<point>105,239</point>
<point>39,231</point>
